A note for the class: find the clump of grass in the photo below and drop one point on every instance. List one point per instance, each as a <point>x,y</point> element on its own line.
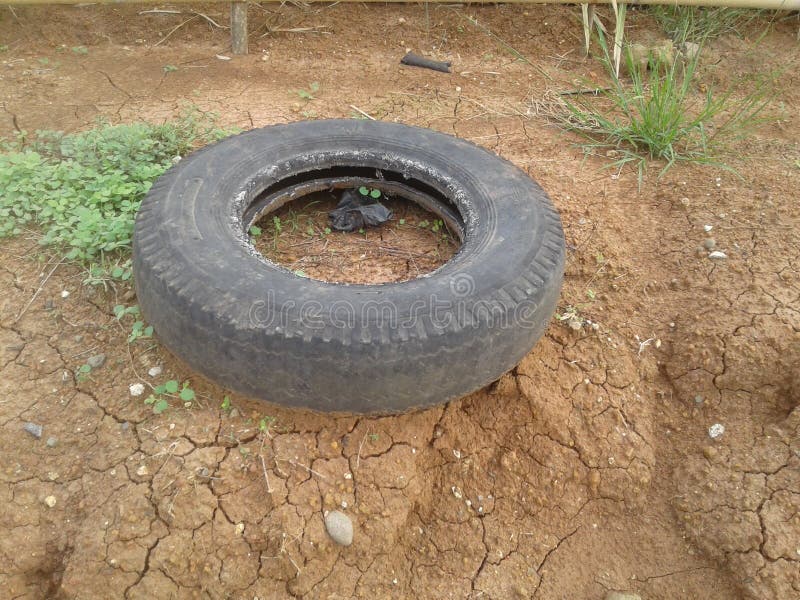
<point>81,191</point>
<point>660,115</point>
<point>698,24</point>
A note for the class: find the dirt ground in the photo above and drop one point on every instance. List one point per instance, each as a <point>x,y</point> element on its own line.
<point>411,243</point>
<point>588,468</point>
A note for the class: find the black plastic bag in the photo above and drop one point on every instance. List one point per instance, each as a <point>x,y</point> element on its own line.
<point>356,211</point>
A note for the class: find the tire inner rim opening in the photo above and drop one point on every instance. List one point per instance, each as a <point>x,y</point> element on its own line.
<point>427,236</point>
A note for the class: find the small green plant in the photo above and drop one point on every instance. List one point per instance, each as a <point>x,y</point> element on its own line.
<point>120,311</point>
<point>170,68</point>
<point>374,437</point>
<point>277,224</point>
<point>186,394</point>
<point>255,231</point>
<point>80,50</point>
<point>161,393</point>
<point>265,423</point>
<point>402,221</point>
<point>437,225</point>
<point>138,329</point>
<point>3,47</point>
<point>659,116</point>
<point>83,372</point>
<point>327,230</point>
<point>371,192</point>
<point>226,404</point>
<point>424,224</point>
<point>309,93</point>
<point>106,272</point>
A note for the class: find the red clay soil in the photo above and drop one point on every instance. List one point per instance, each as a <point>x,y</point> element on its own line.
<point>586,469</point>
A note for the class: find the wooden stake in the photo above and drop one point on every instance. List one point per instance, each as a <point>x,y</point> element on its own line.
<point>239,27</point>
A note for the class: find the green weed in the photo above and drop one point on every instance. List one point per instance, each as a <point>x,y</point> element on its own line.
<point>138,330</point>
<point>83,190</point>
<point>265,423</point>
<point>699,24</point>
<point>159,399</point>
<point>660,116</point>
<point>309,93</point>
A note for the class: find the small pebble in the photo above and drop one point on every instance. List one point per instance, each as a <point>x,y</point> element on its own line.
<point>96,361</point>
<point>50,501</point>
<point>709,243</point>
<point>234,413</point>
<point>136,389</point>
<point>65,294</point>
<point>34,429</point>
<point>155,371</point>
<point>51,442</point>
<point>78,339</point>
<point>717,255</point>
<point>716,430</point>
<point>707,228</point>
<point>339,527</point>
<point>142,471</point>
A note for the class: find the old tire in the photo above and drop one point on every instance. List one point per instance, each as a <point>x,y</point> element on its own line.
<point>258,329</point>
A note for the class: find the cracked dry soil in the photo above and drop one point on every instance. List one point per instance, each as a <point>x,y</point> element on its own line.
<point>586,469</point>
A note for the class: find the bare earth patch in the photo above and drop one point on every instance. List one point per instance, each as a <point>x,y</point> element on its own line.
<point>588,468</point>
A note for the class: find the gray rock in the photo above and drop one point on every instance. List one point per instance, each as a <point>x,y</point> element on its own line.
<point>234,413</point>
<point>96,361</point>
<point>51,442</point>
<point>34,429</point>
<point>339,527</point>
<point>690,50</point>
<point>622,596</point>
<point>710,243</point>
<point>78,339</point>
